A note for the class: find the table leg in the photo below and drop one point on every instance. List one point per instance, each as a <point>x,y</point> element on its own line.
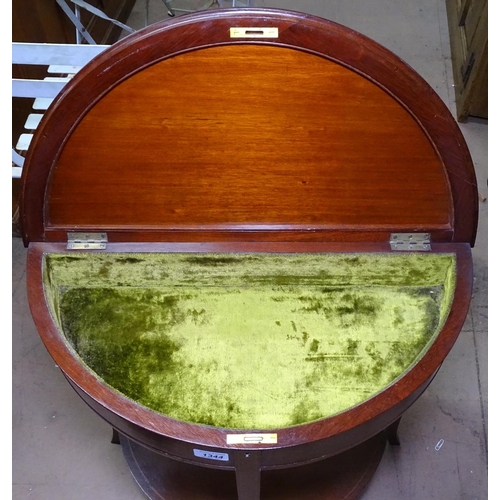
<point>392,433</point>
<point>115,438</point>
<point>248,474</point>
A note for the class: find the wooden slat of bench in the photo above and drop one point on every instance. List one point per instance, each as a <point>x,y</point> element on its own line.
<point>24,142</point>
<point>54,53</point>
<point>61,59</point>
<point>63,69</point>
<point>36,88</point>
<point>17,172</point>
<point>33,121</point>
<point>42,103</point>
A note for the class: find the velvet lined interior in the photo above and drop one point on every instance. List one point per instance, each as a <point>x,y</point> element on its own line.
<point>249,341</point>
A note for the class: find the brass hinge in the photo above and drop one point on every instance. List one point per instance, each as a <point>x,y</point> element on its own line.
<point>407,242</point>
<point>87,241</point>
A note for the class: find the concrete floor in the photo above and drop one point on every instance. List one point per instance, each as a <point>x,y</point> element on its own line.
<point>62,450</point>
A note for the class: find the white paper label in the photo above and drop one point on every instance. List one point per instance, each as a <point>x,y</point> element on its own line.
<point>211,455</point>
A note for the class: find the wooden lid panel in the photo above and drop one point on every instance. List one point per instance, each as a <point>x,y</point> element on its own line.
<point>248,135</point>
<point>180,132</point>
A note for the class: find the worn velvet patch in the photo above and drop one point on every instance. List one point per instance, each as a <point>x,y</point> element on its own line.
<point>249,341</point>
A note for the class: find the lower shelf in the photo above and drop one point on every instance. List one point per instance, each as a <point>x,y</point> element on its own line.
<point>343,476</point>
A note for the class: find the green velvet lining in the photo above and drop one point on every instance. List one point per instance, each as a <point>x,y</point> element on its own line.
<point>249,341</point>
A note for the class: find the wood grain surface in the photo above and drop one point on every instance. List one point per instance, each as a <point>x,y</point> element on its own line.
<point>180,132</point>
<point>248,135</point>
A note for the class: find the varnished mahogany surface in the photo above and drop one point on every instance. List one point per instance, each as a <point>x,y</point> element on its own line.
<point>317,141</point>
<point>248,135</point>
<point>346,429</point>
<point>343,477</point>
<point>181,133</point>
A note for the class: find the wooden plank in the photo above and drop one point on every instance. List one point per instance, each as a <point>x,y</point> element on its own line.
<point>469,39</point>
<point>37,88</point>
<point>17,172</point>
<point>54,53</point>
<point>33,121</point>
<point>479,105</point>
<point>63,69</point>
<point>472,20</point>
<point>42,103</point>
<point>24,142</point>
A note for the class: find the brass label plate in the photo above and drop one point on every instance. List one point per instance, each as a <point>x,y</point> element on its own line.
<point>251,32</point>
<point>252,438</point>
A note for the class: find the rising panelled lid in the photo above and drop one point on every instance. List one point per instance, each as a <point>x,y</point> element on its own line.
<point>289,127</point>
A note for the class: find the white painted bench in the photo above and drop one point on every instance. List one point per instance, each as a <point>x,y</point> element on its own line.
<point>63,61</point>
